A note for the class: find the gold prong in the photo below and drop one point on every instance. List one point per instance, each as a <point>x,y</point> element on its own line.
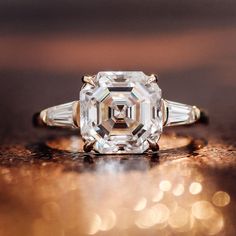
<point>153,78</point>
<point>88,79</point>
<point>153,145</point>
<point>88,146</point>
<point>43,116</point>
<point>76,113</point>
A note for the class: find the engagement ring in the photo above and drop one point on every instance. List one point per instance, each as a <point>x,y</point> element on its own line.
<point>120,112</point>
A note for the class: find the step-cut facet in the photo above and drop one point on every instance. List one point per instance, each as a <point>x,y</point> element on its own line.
<point>61,115</point>
<point>120,111</point>
<point>179,113</point>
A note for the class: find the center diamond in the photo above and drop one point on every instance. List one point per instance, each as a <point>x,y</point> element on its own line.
<point>120,111</point>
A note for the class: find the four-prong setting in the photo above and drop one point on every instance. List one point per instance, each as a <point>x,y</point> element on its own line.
<point>120,111</point>
<point>90,81</point>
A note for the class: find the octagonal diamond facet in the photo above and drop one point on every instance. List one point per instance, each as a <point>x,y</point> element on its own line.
<point>120,112</point>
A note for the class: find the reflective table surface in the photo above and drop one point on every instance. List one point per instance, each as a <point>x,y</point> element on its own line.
<point>53,188</point>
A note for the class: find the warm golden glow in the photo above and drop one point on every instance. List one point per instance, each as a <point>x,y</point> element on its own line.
<point>195,188</point>
<point>125,218</point>
<point>178,190</point>
<point>179,217</point>
<point>165,185</point>
<point>212,225</point>
<point>41,227</point>
<point>108,218</point>
<point>141,204</point>
<point>72,144</point>
<point>51,211</point>
<point>221,199</point>
<point>166,199</point>
<point>161,213</point>
<point>202,210</point>
<point>157,214</point>
<point>93,223</point>
<point>157,196</point>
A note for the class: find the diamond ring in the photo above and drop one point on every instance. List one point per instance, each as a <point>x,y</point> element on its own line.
<point>120,112</point>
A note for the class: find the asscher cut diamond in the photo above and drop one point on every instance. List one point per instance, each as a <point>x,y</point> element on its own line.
<point>121,112</point>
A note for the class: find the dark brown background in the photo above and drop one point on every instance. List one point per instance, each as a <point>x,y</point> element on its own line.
<point>46,47</point>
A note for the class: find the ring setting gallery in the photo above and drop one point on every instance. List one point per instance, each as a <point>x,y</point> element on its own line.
<point>120,112</point>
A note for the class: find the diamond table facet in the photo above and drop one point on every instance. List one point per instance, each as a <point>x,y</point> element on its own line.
<point>120,112</point>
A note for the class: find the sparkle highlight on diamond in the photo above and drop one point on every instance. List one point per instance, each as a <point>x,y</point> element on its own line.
<point>120,112</point>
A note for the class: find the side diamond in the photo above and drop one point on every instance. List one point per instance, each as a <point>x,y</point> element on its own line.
<point>61,115</point>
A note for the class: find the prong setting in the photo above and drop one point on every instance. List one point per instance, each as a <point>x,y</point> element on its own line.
<point>120,112</point>
<point>88,146</point>
<point>89,79</point>
<point>153,78</point>
<point>153,145</point>
<point>116,112</point>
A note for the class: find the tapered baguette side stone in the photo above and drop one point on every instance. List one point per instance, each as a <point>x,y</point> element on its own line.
<point>62,115</point>
<point>180,114</point>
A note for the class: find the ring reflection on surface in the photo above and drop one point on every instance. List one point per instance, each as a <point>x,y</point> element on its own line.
<point>129,197</point>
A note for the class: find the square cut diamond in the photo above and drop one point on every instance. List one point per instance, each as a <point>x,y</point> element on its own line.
<point>121,111</point>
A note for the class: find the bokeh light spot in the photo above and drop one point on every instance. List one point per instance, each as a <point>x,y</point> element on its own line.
<point>157,214</point>
<point>178,190</point>
<point>93,224</point>
<point>202,209</point>
<point>195,188</point>
<point>141,204</point>
<point>213,225</point>
<point>108,220</point>
<point>165,185</point>
<point>178,218</point>
<point>221,199</point>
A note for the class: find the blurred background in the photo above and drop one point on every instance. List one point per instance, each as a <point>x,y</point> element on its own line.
<point>48,187</point>
<point>46,46</point>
